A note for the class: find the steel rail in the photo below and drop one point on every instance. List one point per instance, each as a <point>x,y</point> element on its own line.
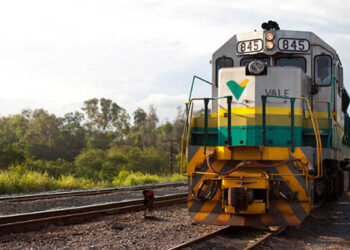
<point>200,238</point>
<point>54,195</point>
<point>8,223</point>
<point>221,230</point>
<point>265,237</point>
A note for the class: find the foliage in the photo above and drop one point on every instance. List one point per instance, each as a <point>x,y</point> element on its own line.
<point>10,155</point>
<point>89,163</point>
<point>97,147</point>
<point>52,168</point>
<point>126,178</point>
<point>16,180</point>
<point>107,122</point>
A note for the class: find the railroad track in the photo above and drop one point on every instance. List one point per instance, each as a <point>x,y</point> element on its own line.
<point>18,222</point>
<point>231,240</point>
<point>54,195</point>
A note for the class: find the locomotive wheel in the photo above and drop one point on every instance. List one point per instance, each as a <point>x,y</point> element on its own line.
<point>335,185</point>
<point>339,184</point>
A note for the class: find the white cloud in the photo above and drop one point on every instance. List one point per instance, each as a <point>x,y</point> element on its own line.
<point>56,54</point>
<point>165,104</point>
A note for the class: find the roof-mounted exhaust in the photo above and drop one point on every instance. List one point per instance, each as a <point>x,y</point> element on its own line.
<point>270,25</point>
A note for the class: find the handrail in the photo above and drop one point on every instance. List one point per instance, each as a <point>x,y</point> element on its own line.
<point>318,140</point>
<point>183,136</point>
<point>314,126</point>
<point>189,112</point>
<point>190,95</point>
<point>199,78</point>
<point>329,119</point>
<point>189,129</point>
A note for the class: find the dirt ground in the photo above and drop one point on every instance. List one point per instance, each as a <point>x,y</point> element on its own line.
<point>326,228</point>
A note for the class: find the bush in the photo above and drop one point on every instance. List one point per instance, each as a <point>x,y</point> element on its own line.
<point>20,180</point>
<point>17,182</point>
<point>177,177</point>
<point>89,164</point>
<point>53,168</point>
<point>126,178</point>
<point>7,182</point>
<point>36,182</point>
<point>69,182</point>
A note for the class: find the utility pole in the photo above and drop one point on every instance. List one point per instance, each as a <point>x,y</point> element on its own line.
<point>171,155</point>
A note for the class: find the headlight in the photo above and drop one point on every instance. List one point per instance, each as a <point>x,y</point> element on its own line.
<point>269,36</point>
<point>269,45</point>
<point>256,67</point>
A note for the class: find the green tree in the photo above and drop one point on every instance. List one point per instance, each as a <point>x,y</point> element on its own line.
<point>12,147</point>
<point>140,117</point>
<point>42,135</point>
<point>72,139</point>
<point>165,136</point>
<point>10,155</point>
<point>137,133</point>
<point>151,127</point>
<point>107,123</point>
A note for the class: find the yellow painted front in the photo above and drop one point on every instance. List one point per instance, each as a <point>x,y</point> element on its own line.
<point>253,178</point>
<point>243,181</point>
<point>252,153</point>
<point>254,208</point>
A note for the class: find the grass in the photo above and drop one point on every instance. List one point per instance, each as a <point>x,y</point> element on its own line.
<point>126,178</point>
<point>15,181</point>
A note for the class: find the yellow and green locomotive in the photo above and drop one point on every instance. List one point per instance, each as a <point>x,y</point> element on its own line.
<point>273,142</point>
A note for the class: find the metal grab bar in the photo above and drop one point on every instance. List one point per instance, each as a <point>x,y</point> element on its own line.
<point>329,142</point>
<point>194,78</point>
<point>189,112</point>
<point>314,126</point>
<point>318,138</point>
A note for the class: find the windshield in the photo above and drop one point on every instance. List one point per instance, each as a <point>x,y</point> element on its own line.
<point>299,62</point>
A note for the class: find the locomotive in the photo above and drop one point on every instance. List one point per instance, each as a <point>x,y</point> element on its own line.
<point>275,141</point>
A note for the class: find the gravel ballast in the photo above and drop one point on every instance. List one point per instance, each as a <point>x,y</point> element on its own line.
<point>170,226</point>
<point>8,207</point>
<point>327,228</point>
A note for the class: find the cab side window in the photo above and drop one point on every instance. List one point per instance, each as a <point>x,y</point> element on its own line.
<point>222,62</point>
<point>323,70</point>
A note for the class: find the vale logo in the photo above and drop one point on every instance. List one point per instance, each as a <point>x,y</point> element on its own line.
<point>237,88</point>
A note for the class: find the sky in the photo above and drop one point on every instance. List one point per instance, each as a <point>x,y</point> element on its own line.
<point>57,54</point>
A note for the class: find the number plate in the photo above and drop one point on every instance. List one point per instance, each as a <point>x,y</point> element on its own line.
<point>296,45</point>
<point>249,46</point>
